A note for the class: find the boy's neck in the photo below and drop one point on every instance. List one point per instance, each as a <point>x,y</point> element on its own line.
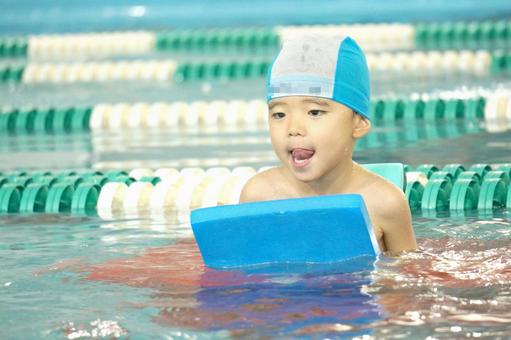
<point>337,181</point>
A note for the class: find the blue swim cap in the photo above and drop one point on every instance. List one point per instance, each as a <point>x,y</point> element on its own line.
<point>318,66</point>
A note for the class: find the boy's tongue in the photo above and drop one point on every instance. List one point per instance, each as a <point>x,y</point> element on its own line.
<point>301,154</point>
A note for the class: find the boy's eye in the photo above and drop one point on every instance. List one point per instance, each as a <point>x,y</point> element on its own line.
<point>316,113</point>
<point>278,115</point>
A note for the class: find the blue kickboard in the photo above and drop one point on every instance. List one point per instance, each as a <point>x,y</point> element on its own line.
<point>320,229</point>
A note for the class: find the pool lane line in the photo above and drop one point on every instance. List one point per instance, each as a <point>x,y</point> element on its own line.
<point>429,188</point>
<point>432,63</point>
<point>161,115</point>
<point>372,37</point>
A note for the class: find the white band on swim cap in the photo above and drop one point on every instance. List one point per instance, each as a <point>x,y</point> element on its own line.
<point>327,67</point>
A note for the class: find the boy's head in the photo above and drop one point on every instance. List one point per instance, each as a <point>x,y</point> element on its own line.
<point>328,67</point>
<point>314,87</point>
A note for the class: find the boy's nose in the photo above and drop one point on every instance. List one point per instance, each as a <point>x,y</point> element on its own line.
<point>295,127</point>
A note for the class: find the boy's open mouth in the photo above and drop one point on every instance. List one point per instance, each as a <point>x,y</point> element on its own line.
<point>301,157</point>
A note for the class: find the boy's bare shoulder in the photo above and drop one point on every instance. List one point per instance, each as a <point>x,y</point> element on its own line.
<point>382,196</point>
<point>390,214</point>
<point>261,187</point>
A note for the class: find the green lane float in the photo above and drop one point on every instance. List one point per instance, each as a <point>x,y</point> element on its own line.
<point>122,179</point>
<point>464,194</point>
<point>433,110</point>
<point>150,179</point>
<point>85,198</point>
<point>480,169</point>
<point>8,118</point>
<point>73,180</point>
<point>47,180</point>
<point>11,73</point>
<point>493,193</point>
<point>508,200</point>
<point>506,168</point>
<point>471,175</point>
<point>44,120</point>
<point>414,192</point>
<point>436,195</point>
<point>12,47</point>
<point>427,169</point>
<point>454,169</point>
<point>10,197</point>
<point>33,198</point>
<point>498,174</point>
<point>462,34</point>
<point>59,199</point>
<point>25,120</point>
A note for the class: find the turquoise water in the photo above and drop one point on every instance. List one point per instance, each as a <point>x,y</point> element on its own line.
<point>44,16</point>
<point>68,276</point>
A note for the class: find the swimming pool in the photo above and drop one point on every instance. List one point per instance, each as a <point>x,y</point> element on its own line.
<point>106,258</point>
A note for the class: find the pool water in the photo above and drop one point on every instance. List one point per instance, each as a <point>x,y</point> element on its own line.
<point>69,276</point>
<point>141,276</point>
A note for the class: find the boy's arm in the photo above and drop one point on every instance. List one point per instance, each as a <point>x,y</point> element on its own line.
<point>395,220</point>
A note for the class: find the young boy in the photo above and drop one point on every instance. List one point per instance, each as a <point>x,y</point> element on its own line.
<point>318,99</point>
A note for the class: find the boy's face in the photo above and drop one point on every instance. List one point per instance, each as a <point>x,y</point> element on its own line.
<point>312,136</point>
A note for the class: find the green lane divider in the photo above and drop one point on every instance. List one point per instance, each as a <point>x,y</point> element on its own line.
<point>464,194</point>
<point>430,110</point>
<point>436,195</point>
<point>12,47</point>
<point>471,175</point>
<point>55,120</point>
<point>46,180</point>
<point>506,168</point>
<point>123,179</point>
<point>44,120</point>
<point>501,62</point>
<point>414,192</point>
<point>60,198</point>
<point>443,175</point>
<point>248,69</point>
<point>11,74</point>
<point>112,174</point>
<point>150,179</point>
<point>498,174</point>
<point>427,169</point>
<point>454,170</point>
<point>33,198</point>
<point>480,169</point>
<point>257,69</point>
<point>222,70</point>
<point>10,197</point>
<point>216,39</point>
<point>85,198</point>
<point>8,117</point>
<point>493,193</point>
<point>449,188</point>
<point>453,35</point>
<point>25,120</point>
<point>73,180</point>
<point>462,34</point>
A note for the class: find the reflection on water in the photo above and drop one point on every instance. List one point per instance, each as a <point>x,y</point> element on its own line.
<point>146,278</point>
<point>462,141</point>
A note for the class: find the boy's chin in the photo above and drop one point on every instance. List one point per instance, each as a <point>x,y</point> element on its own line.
<point>305,176</point>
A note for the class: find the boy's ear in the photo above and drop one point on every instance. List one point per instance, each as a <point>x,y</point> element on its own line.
<point>361,126</point>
